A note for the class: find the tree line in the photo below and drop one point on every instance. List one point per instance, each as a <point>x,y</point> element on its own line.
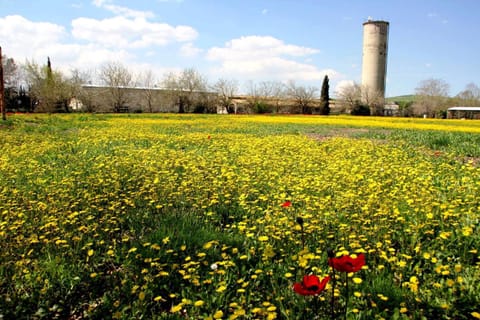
<point>431,99</point>
<point>31,87</point>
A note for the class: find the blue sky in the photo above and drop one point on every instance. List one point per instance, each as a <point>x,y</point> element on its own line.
<point>249,40</point>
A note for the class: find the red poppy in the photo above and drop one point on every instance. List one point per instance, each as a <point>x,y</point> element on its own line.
<point>311,285</point>
<point>347,263</point>
<point>287,204</point>
<point>209,137</point>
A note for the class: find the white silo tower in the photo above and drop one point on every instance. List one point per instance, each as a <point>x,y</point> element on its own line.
<point>374,62</point>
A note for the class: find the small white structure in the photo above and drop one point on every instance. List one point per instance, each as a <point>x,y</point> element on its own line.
<point>75,104</point>
<point>391,109</point>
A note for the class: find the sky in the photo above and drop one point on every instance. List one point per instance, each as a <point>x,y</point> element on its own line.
<point>249,40</point>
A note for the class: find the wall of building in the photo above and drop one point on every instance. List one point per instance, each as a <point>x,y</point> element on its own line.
<point>136,99</point>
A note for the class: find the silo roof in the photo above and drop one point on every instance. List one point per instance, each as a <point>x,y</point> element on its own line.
<point>375,22</point>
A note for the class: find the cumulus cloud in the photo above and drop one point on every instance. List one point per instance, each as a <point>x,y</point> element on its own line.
<point>342,85</point>
<point>24,37</point>
<point>189,50</point>
<point>257,46</point>
<point>128,28</point>
<point>124,32</point>
<point>105,40</point>
<point>123,11</point>
<point>266,57</point>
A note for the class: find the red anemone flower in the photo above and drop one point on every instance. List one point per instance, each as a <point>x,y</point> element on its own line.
<point>287,204</point>
<point>347,263</point>
<point>311,285</point>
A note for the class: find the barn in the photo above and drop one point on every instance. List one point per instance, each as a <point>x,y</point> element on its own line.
<point>463,113</point>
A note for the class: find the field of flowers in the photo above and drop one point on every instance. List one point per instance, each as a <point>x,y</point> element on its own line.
<point>222,217</point>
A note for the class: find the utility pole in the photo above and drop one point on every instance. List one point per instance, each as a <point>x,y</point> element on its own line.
<point>2,89</point>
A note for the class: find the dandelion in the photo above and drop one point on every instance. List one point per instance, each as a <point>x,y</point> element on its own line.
<point>263,238</point>
<point>218,314</point>
<point>176,308</point>
<point>357,280</point>
<point>221,289</point>
<point>199,303</point>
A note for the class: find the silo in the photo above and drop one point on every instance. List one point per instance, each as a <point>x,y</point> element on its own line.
<point>374,62</point>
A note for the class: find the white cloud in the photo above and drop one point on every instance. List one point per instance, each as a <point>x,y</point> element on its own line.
<point>123,11</point>
<point>257,47</point>
<point>189,50</point>
<point>265,57</point>
<point>89,42</point>
<point>264,11</point>
<point>342,84</point>
<point>23,38</point>
<point>123,32</point>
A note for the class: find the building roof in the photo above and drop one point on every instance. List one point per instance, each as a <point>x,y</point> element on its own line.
<point>464,109</point>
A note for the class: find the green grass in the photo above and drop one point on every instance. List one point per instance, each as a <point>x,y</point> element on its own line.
<point>131,216</point>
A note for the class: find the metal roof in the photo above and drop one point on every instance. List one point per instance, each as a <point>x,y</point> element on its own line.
<point>464,109</point>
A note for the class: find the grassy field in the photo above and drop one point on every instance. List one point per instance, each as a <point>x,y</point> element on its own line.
<point>216,217</point>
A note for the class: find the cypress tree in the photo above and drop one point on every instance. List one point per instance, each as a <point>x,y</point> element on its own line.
<point>325,97</point>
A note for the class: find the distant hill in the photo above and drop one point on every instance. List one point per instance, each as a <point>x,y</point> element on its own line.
<point>404,98</point>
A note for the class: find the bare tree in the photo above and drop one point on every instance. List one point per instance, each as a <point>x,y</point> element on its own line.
<point>148,81</point>
<point>273,92</point>
<point>85,97</point>
<point>11,74</point>
<point>225,90</point>
<point>186,88</point>
<point>116,78</point>
<point>304,96</point>
<point>470,96</point>
<point>2,89</point>
<point>432,95</point>
<point>265,96</point>
<point>374,99</point>
<point>349,97</point>
<point>257,100</point>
